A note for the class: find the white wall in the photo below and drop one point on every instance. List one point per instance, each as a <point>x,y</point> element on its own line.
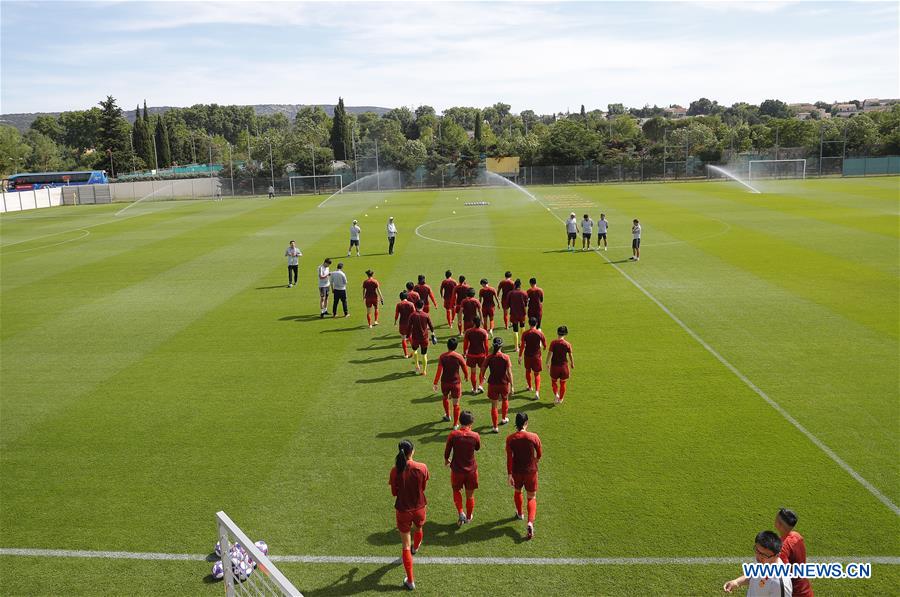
<point>23,200</point>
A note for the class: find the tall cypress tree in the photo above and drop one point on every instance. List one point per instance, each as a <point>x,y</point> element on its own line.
<point>340,131</point>
<point>477,126</point>
<point>163,151</point>
<point>136,136</point>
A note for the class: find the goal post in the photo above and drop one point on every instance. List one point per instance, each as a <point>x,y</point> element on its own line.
<point>317,183</point>
<point>265,579</point>
<point>795,168</point>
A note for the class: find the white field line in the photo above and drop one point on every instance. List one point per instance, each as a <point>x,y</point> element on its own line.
<point>778,408</point>
<point>85,234</point>
<point>448,560</point>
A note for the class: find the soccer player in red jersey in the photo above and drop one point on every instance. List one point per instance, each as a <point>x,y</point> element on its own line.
<point>424,291</point>
<point>523,450</point>
<point>463,443</point>
<point>408,479</point>
<point>518,304</point>
<point>500,382</point>
<point>535,301</point>
<point>448,293</point>
<point>489,303</point>
<point>401,318</point>
<point>449,365</point>
<point>504,288</point>
<point>372,296</point>
<point>559,357</point>
<point>469,309</point>
<point>793,549</point>
<point>460,293</point>
<point>420,330</point>
<point>475,349</point>
<point>533,343</point>
<point>412,295</point>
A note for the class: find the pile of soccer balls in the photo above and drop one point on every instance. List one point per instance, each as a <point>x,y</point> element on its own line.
<point>242,565</point>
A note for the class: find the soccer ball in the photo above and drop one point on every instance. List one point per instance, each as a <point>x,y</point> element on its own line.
<point>376,207</point>
<point>219,548</point>
<point>262,546</point>
<point>217,571</point>
<point>241,569</point>
<point>454,211</point>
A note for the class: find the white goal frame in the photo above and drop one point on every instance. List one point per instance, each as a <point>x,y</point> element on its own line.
<point>340,178</point>
<point>751,162</point>
<point>274,583</point>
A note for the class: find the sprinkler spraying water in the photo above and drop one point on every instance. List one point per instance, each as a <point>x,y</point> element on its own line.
<point>730,175</point>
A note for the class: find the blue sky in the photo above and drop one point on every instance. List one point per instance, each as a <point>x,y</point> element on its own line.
<point>544,56</point>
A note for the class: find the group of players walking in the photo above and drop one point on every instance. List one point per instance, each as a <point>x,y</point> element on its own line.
<point>472,314</point>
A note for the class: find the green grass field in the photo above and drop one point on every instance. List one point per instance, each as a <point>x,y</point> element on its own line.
<point>156,369</point>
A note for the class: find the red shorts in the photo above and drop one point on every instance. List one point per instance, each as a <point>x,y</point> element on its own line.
<point>405,520</point>
<point>487,312</point>
<point>449,304</point>
<point>468,325</point>
<point>527,480</point>
<point>416,344</point>
<point>537,316</point>
<point>454,390</point>
<point>371,301</point>
<point>504,302</point>
<point>467,480</point>
<point>559,372</point>
<point>425,307</point>
<point>404,330</point>
<point>533,364</point>
<point>475,361</point>
<point>516,318</point>
<point>498,391</point>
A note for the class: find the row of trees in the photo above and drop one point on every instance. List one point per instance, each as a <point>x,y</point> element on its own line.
<point>101,138</point>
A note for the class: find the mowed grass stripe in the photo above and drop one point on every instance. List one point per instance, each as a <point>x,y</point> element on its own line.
<point>797,351</point>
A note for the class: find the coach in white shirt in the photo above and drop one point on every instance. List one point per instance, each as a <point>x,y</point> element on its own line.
<point>768,546</point>
<point>602,226</point>
<point>293,254</point>
<point>339,290</point>
<point>635,240</point>
<point>571,231</point>
<point>392,234</point>
<point>324,285</point>
<point>354,238</point>
<point>587,230</point>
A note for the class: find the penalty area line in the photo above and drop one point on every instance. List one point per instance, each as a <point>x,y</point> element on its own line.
<point>435,560</point>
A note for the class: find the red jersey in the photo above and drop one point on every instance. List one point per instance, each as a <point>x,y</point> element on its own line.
<point>419,327</point>
<point>523,450</point>
<point>517,300</point>
<point>450,363</point>
<point>535,301</point>
<point>532,340</point>
<point>559,349</point>
<point>470,308</point>
<point>370,288</point>
<point>402,312</point>
<point>461,292</point>
<point>424,291</point>
<point>504,288</point>
<point>499,366</point>
<point>476,341</point>
<point>793,551</point>
<point>488,297</point>
<point>413,296</point>
<point>409,486</point>
<point>448,286</point>
<point>463,443</point>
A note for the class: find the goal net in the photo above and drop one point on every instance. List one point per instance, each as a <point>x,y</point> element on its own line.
<point>245,569</point>
<point>760,169</point>
<point>320,183</point>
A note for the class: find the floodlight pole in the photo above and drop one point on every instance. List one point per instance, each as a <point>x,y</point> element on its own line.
<point>821,145</point>
<point>133,165</point>
<point>665,132</point>
<point>209,167</point>
<point>777,130</point>
<point>250,163</point>
<point>271,164</point>
<point>231,167</point>
<point>155,158</point>
<point>377,170</point>
<point>312,153</point>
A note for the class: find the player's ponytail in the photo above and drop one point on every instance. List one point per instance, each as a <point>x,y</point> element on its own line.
<point>403,454</point>
<point>498,344</point>
<point>521,420</point>
<point>517,283</point>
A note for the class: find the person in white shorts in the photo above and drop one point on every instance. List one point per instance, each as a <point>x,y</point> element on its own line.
<point>587,230</point>
<point>354,238</point>
<point>293,254</point>
<point>602,226</point>
<point>324,286</point>
<point>636,240</point>
<point>571,231</point>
